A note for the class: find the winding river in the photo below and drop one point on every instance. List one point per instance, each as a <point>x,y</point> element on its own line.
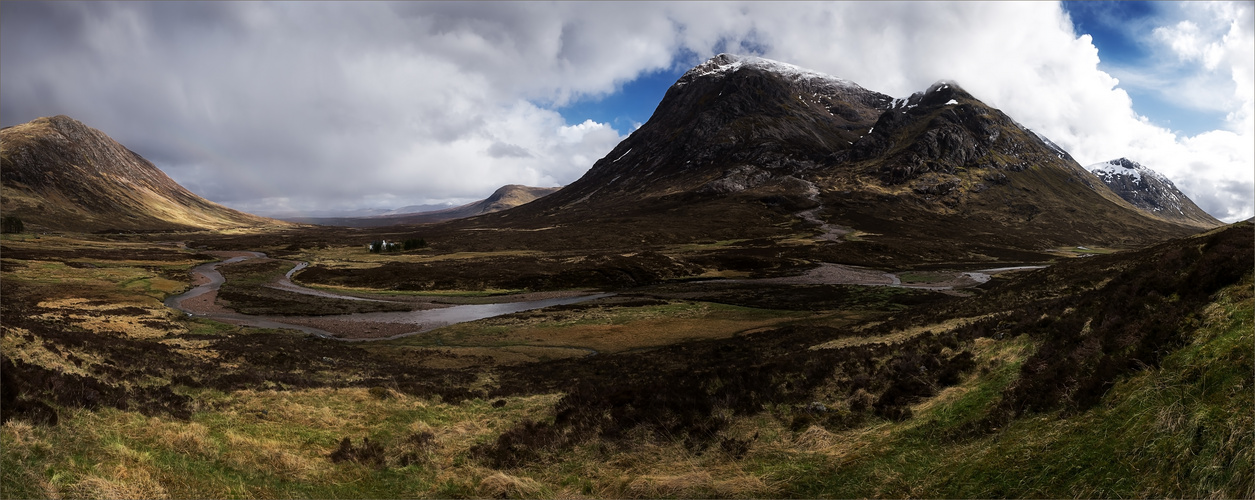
<point>406,322</point>
<point>392,325</point>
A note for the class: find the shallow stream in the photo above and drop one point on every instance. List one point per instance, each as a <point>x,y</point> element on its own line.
<point>411,322</point>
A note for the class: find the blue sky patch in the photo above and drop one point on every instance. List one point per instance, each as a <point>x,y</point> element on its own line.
<point>1123,33</point>
<point>627,108</point>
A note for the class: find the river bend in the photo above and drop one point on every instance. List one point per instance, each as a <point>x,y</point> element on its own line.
<point>199,302</point>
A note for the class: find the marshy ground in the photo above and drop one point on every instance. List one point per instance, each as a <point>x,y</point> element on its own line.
<point>1126,374</point>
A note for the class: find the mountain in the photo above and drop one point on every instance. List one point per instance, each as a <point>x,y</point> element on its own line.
<point>59,174</point>
<point>734,124</point>
<point>740,147</point>
<point>505,197</point>
<point>1148,190</point>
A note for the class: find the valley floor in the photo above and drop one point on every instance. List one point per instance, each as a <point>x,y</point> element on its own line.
<point>1128,374</point>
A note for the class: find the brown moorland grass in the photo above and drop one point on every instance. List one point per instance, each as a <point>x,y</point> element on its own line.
<point>267,411</point>
<point>605,329</point>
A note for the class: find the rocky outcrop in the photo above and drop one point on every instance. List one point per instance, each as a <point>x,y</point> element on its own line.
<point>957,133</point>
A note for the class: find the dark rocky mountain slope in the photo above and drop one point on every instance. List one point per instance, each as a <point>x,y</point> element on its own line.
<point>59,174</point>
<point>739,147</point>
<point>1152,192</point>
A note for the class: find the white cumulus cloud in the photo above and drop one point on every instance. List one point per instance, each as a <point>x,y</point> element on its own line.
<point>269,106</point>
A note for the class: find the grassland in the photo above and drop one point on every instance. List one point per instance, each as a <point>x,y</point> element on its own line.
<point>607,328</point>
<point>268,443</point>
<point>695,390</point>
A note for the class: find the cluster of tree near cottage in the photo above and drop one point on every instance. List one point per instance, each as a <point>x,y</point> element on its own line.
<point>392,246</point>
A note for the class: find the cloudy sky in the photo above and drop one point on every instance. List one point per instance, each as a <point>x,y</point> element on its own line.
<point>299,107</point>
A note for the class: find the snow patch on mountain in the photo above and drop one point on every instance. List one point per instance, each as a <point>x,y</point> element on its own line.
<point>1146,189</point>
<point>1049,143</point>
<point>1128,168</point>
<point>724,64</point>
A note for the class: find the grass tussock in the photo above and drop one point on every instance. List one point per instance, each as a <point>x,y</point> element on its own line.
<point>192,439</point>
<point>119,481</point>
<point>269,456</point>
<point>502,485</point>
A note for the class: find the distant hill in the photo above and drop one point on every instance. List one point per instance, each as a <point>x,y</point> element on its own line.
<point>1153,193</point>
<point>740,147</point>
<point>305,215</point>
<point>505,197</point>
<point>59,174</point>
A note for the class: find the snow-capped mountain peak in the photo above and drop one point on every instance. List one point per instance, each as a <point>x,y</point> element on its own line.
<point>724,64</point>
<point>1127,168</point>
<point>1150,191</point>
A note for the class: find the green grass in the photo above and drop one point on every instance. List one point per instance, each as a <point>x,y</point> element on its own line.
<point>207,327</point>
<point>604,329</point>
<point>1181,430</point>
<point>255,444</point>
<point>911,453</point>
